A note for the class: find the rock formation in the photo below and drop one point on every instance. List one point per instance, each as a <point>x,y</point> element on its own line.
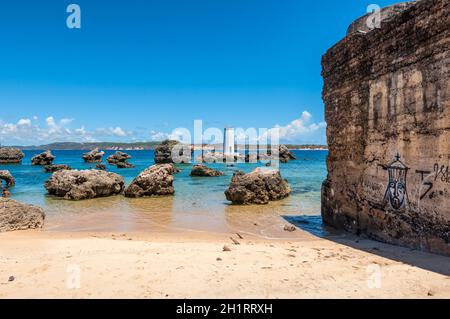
<point>18,216</point>
<point>285,154</point>
<point>387,101</point>
<point>8,178</point>
<point>258,187</point>
<point>94,156</point>
<point>77,185</point>
<point>156,180</point>
<point>204,171</point>
<point>165,152</point>
<point>119,159</point>
<point>10,155</point>
<point>101,167</point>
<point>56,167</point>
<point>45,158</point>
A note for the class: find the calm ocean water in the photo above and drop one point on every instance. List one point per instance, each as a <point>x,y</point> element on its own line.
<point>199,203</point>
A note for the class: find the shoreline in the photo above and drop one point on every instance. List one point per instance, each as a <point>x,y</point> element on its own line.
<point>194,265</point>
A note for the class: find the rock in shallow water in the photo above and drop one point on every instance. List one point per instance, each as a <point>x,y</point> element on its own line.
<point>56,167</point>
<point>120,159</point>
<point>18,216</point>
<point>94,156</point>
<point>10,155</point>
<point>156,180</point>
<point>7,177</point>
<point>77,185</point>
<point>163,152</point>
<point>45,158</point>
<point>204,171</point>
<point>258,187</point>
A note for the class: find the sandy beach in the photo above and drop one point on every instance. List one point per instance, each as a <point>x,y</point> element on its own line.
<point>42,264</point>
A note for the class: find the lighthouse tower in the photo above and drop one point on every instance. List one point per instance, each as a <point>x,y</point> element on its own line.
<point>228,141</point>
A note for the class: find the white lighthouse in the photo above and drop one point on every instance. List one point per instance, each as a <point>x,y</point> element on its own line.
<point>228,141</point>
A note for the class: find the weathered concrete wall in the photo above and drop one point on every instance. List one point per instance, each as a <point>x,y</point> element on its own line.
<point>387,99</point>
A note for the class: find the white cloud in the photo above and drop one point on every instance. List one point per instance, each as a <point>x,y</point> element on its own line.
<point>29,132</point>
<point>118,131</point>
<point>24,122</point>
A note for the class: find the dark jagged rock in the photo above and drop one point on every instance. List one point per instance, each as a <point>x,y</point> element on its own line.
<point>124,165</point>
<point>285,154</point>
<point>387,107</point>
<point>101,167</point>
<point>258,187</point>
<point>78,185</point>
<point>204,171</point>
<point>156,180</point>
<point>120,159</point>
<point>56,167</point>
<point>165,152</point>
<point>7,177</point>
<point>18,216</point>
<point>94,156</point>
<point>10,155</point>
<point>45,158</point>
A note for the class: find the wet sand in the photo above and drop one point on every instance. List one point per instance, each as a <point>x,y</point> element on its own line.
<point>192,264</point>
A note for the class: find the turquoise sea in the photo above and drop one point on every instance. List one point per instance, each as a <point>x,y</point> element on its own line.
<point>199,203</point>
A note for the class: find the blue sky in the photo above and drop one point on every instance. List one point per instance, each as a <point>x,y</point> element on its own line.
<point>138,69</point>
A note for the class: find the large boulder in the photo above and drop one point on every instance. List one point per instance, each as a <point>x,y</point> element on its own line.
<point>204,171</point>
<point>18,216</point>
<point>258,187</point>
<point>77,185</point>
<point>120,159</point>
<point>45,158</point>
<point>156,180</point>
<point>94,156</point>
<point>165,151</point>
<point>7,177</point>
<point>56,167</point>
<point>10,155</point>
<point>285,155</point>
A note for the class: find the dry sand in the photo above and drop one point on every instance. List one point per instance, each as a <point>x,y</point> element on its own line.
<point>193,265</point>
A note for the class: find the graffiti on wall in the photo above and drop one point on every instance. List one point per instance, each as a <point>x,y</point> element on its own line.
<point>440,173</point>
<point>396,194</point>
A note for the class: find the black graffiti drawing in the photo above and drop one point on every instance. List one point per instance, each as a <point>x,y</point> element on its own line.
<point>442,172</point>
<point>396,193</point>
<point>429,185</point>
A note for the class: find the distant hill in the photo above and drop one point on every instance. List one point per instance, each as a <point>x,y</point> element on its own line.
<point>132,146</point>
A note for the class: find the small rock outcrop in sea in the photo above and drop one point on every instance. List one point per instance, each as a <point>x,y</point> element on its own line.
<point>10,155</point>
<point>56,167</point>
<point>120,159</point>
<point>156,180</point>
<point>258,187</point>
<point>78,185</point>
<point>101,167</point>
<point>8,178</point>
<point>45,158</point>
<point>94,156</point>
<point>285,154</point>
<point>204,171</point>
<point>219,157</point>
<point>18,216</point>
<point>164,153</point>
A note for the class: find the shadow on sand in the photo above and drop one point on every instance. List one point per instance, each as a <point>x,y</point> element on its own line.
<point>431,262</point>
